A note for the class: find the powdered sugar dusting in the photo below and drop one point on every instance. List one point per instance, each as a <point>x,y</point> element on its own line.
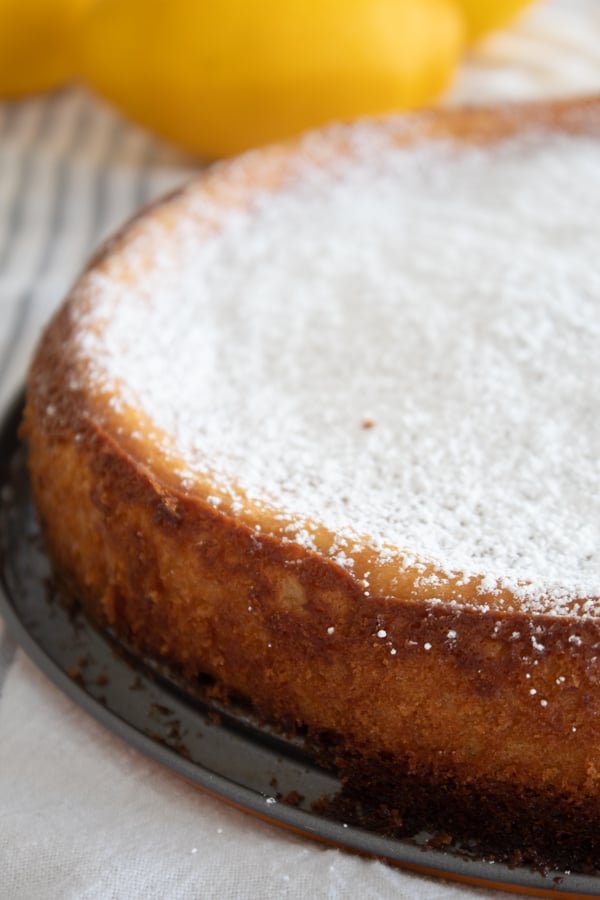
<point>407,351</point>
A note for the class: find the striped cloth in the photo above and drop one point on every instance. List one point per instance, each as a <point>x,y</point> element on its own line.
<point>83,815</point>
<point>70,172</point>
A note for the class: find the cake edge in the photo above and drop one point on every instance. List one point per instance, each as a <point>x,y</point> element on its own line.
<point>123,534</point>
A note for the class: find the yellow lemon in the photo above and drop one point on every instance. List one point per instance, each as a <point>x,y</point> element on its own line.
<point>36,44</point>
<point>219,76</point>
<point>485,15</point>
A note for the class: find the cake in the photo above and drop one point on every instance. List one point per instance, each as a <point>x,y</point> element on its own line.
<point>324,426</point>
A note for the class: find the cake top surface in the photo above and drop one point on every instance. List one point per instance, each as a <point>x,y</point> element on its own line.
<point>403,348</point>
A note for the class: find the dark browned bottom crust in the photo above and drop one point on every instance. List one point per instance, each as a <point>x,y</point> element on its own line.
<point>492,821</point>
<point>384,793</point>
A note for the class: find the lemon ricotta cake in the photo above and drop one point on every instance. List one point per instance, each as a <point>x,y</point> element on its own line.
<point>325,426</point>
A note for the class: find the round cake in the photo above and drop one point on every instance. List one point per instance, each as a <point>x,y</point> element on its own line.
<point>325,426</point>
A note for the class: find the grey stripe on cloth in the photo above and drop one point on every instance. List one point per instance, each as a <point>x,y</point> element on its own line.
<point>19,178</point>
<point>65,183</point>
<point>26,233</point>
<point>143,189</point>
<point>24,125</point>
<point>52,231</point>
<point>7,654</point>
<point>100,211</point>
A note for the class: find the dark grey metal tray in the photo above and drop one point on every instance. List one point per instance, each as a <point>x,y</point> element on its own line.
<point>225,752</point>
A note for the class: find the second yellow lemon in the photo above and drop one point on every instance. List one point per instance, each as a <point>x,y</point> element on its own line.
<point>36,44</point>
<point>484,15</point>
<point>219,77</point>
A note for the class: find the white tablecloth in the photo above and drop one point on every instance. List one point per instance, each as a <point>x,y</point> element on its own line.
<point>83,815</point>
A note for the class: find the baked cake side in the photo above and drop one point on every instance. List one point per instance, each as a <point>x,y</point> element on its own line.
<point>449,702</point>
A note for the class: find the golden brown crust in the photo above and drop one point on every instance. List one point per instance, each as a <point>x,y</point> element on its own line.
<point>453,705</point>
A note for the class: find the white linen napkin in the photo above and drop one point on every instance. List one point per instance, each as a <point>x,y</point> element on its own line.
<point>84,815</point>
